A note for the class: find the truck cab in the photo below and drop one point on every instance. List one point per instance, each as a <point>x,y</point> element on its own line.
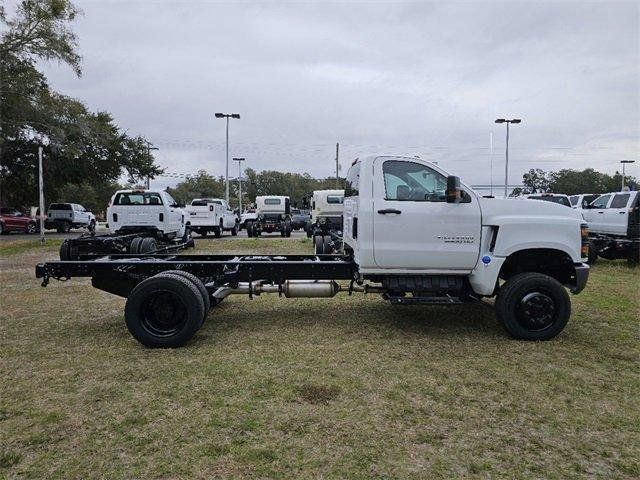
<point>326,212</point>
<point>273,215</point>
<point>407,221</point>
<point>152,212</point>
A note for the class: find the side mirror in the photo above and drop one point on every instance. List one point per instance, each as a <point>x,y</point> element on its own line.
<point>453,193</point>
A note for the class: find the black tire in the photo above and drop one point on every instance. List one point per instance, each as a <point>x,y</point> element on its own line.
<point>203,233</point>
<point>593,255</point>
<point>318,242</point>
<point>533,306</point>
<point>164,311</point>
<point>92,226</point>
<point>186,236</point>
<point>217,232</point>
<point>31,228</point>
<point>2,230</point>
<point>134,246</point>
<point>65,250</point>
<point>249,227</point>
<point>234,230</point>
<point>147,245</point>
<point>327,244</point>
<point>66,227</point>
<point>206,299</point>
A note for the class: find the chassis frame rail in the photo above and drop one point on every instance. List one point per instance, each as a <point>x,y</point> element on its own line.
<point>119,274</point>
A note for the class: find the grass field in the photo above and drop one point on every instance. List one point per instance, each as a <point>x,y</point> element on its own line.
<point>349,387</point>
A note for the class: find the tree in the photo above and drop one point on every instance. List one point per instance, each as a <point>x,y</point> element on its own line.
<point>536,180</point>
<point>79,145</point>
<point>40,31</point>
<point>199,186</point>
<point>573,182</point>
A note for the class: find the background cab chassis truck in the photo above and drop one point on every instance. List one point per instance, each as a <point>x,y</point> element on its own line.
<point>212,215</point>
<point>140,221</point>
<point>65,216</point>
<point>614,226</point>
<point>274,215</point>
<point>325,226</point>
<point>411,233</point>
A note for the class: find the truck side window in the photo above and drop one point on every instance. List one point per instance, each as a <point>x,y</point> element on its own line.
<point>601,202</point>
<point>414,182</point>
<point>620,200</point>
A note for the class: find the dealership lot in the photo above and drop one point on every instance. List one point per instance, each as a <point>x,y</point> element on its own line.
<point>345,387</point>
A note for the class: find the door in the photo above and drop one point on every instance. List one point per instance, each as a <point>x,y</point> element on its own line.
<point>413,226</point>
<point>174,213</point>
<point>595,214</point>
<point>615,216</point>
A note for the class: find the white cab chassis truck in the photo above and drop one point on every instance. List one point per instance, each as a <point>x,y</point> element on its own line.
<point>412,234</point>
<point>274,215</point>
<point>614,226</point>
<point>139,221</point>
<point>212,215</point>
<point>325,226</point>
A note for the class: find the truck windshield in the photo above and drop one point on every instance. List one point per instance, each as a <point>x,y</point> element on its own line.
<point>137,198</point>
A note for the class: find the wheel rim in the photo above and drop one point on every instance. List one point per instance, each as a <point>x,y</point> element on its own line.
<point>163,314</point>
<point>536,311</point>
<point>31,228</point>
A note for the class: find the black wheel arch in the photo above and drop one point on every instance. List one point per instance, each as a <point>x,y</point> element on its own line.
<point>555,263</point>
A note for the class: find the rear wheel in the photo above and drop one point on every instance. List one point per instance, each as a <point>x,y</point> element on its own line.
<point>206,299</point>
<point>92,226</point>
<point>66,227</point>
<point>217,232</point>
<point>533,306</point>
<point>234,230</point>
<point>134,246</point>
<point>147,245</point>
<point>249,227</point>
<point>326,244</point>
<point>164,311</point>
<point>318,242</point>
<point>65,250</point>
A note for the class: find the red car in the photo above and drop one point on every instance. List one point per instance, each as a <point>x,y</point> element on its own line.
<point>12,220</point>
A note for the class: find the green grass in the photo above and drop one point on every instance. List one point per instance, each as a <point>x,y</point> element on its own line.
<point>17,247</point>
<point>349,387</point>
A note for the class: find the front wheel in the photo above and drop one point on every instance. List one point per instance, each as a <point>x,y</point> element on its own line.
<point>31,228</point>
<point>234,230</point>
<point>533,306</point>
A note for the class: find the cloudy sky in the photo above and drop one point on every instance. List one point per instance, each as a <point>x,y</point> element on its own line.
<point>397,77</point>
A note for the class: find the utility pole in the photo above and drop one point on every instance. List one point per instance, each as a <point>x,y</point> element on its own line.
<point>149,148</point>
<point>239,160</point>
<point>506,164</point>
<point>337,166</point>
<point>227,116</point>
<point>41,194</point>
<point>624,162</point>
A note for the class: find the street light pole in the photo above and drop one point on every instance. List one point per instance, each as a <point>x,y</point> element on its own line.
<point>624,162</point>
<point>227,116</point>
<point>506,164</point>
<point>239,160</point>
<point>41,195</point>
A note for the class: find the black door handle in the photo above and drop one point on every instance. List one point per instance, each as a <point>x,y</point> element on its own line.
<point>389,210</point>
<point>621,213</point>
<point>600,212</point>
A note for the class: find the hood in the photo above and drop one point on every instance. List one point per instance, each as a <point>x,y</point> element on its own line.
<point>500,207</point>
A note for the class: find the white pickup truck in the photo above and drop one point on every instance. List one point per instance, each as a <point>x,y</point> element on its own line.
<point>212,215</point>
<point>147,211</point>
<point>65,216</point>
<point>412,233</point>
<point>614,226</point>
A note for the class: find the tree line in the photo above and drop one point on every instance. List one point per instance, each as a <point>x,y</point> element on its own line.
<point>573,182</point>
<point>266,182</point>
<point>85,153</point>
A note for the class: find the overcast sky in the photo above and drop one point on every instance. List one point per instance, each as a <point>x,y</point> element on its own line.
<point>419,78</point>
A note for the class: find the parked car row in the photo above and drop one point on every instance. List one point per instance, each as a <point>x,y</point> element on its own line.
<point>61,217</point>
